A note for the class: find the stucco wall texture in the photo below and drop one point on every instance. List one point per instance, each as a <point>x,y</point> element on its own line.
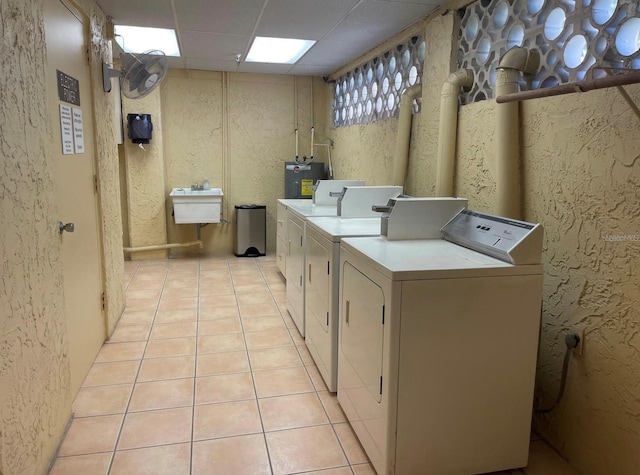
<point>580,179</point>
<point>35,401</point>
<point>236,130</point>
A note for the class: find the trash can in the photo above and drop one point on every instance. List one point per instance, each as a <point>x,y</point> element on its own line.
<point>251,230</point>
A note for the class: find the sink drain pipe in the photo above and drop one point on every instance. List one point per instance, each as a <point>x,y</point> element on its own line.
<point>161,247</point>
<point>401,156</point>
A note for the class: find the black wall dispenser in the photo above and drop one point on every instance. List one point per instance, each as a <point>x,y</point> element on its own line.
<point>139,127</point>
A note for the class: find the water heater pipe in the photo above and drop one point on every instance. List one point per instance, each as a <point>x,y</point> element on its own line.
<point>462,78</point>
<point>513,62</point>
<point>401,156</point>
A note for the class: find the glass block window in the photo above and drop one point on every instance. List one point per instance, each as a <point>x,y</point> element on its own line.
<point>372,91</point>
<point>574,38</point>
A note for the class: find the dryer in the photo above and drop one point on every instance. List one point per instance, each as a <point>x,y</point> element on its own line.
<point>437,345</point>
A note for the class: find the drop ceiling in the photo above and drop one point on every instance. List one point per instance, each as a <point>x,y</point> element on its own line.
<point>213,33</point>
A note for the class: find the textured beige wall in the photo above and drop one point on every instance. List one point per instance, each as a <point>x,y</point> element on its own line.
<point>580,156</point>
<point>35,402</point>
<point>237,130</point>
<point>145,180</point>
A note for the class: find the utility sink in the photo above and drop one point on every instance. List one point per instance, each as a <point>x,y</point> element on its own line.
<point>196,206</point>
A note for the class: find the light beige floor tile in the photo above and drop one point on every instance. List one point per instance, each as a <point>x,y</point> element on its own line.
<point>259,310</point>
<point>248,278</point>
<point>222,274</point>
<point>280,382</point>
<point>227,419</point>
<point>297,450</point>
<point>141,304</point>
<point>176,315</point>
<point>130,333</point>
<point>102,400</point>
<point>213,313</point>
<point>107,374</point>
<point>365,469</point>
<point>181,292</point>
<point>255,298</point>
<point>288,321</point>
<point>151,428</point>
<point>316,378</point>
<point>148,294</point>
<point>181,283</point>
<point>210,289</point>
<point>157,369</point>
<point>306,357</point>
<point>244,455</point>
<point>290,412</point>
<point>274,358</point>
<point>296,337</point>
<point>268,338</point>
<point>256,324</point>
<point>217,300</point>
<point>224,388</point>
<point>171,347</point>
<point>163,331</point>
<point>279,297</point>
<point>220,343</point>
<point>120,351</point>
<point>333,471</point>
<point>543,461</point>
<point>90,435</point>
<point>251,288</point>
<point>178,302</point>
<point>332,406</point>
<point>350,444</point>
<point>222,363</point>
<point>95,464</point>
<point>162,395</point>
<point>163,460</point>
<point>145,284</point>
<point>219,326</point>
<point>136,317</point>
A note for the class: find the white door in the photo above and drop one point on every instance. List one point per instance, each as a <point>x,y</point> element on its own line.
<point>75,188</point>
<point>295,272</point>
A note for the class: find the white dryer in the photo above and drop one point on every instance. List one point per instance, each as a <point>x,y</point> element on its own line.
<point>437,346</point>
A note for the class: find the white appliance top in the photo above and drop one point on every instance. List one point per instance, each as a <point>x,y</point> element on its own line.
<point>307,208</point>
<point>430,259</point>
<point>336,228</point>
<point>323,189</point>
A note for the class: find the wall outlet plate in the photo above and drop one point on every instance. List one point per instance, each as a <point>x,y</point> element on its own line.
<point>579,330</point>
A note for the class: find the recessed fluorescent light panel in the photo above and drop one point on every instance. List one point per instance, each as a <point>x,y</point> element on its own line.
<point>137,39</point>
<point>278,50</point>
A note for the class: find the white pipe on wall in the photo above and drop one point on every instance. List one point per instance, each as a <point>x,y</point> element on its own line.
<point>162,246</point>
<point>401,156</point>
<point>512,63</point>
<point>462,78</point>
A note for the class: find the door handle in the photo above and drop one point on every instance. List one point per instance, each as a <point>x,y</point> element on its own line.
<point>309,273</point>
<point>346,312</point>
<point>69,227</point>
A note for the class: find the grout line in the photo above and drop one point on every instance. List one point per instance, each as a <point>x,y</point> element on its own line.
<point>195,368</point>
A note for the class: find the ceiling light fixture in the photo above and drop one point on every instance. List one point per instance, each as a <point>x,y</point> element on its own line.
<point>137,39</point>
<point>278,50</point>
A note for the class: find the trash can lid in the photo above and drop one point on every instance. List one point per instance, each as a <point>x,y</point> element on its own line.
<point>250,206</point>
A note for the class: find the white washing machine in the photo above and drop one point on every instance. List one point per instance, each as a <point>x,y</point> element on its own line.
<point>323,236</point>
<point>437,346</point>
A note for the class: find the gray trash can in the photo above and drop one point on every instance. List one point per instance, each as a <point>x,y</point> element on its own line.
<point>251,230</point>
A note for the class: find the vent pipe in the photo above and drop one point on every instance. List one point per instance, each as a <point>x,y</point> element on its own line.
<point>401,157</point>
<point>462,78</point>
<point>515,61</point>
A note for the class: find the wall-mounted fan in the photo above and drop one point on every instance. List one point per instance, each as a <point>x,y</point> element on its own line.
<point>139,73</point>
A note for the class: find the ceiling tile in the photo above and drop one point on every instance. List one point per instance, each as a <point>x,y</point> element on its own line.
<point>213,46</point>
<point>218,16</point>
<point>211,65</point>
<point>303,19</point>
<point>150,13</point>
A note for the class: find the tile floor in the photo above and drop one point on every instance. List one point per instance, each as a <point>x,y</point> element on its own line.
<point>206,374</point>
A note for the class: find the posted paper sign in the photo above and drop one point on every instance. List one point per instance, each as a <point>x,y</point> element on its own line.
<point>78,130</point>
<point>66,129</point>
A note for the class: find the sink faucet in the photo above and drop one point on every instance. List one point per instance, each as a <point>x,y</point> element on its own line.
<point>196,187</point>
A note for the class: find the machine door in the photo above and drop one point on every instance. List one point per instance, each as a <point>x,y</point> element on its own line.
<point>317,295</point>
<point>295,272</point>
<point>362,328</point>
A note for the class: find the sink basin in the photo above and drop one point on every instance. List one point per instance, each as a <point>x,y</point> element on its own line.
<point>196,206</point>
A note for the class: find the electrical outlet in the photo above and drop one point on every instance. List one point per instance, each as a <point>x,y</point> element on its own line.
<point>578,329</point>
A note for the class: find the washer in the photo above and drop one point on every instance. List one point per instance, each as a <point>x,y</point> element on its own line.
<point>437,346</point>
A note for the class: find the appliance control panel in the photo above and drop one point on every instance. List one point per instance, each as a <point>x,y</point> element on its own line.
<point>507,239</point>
